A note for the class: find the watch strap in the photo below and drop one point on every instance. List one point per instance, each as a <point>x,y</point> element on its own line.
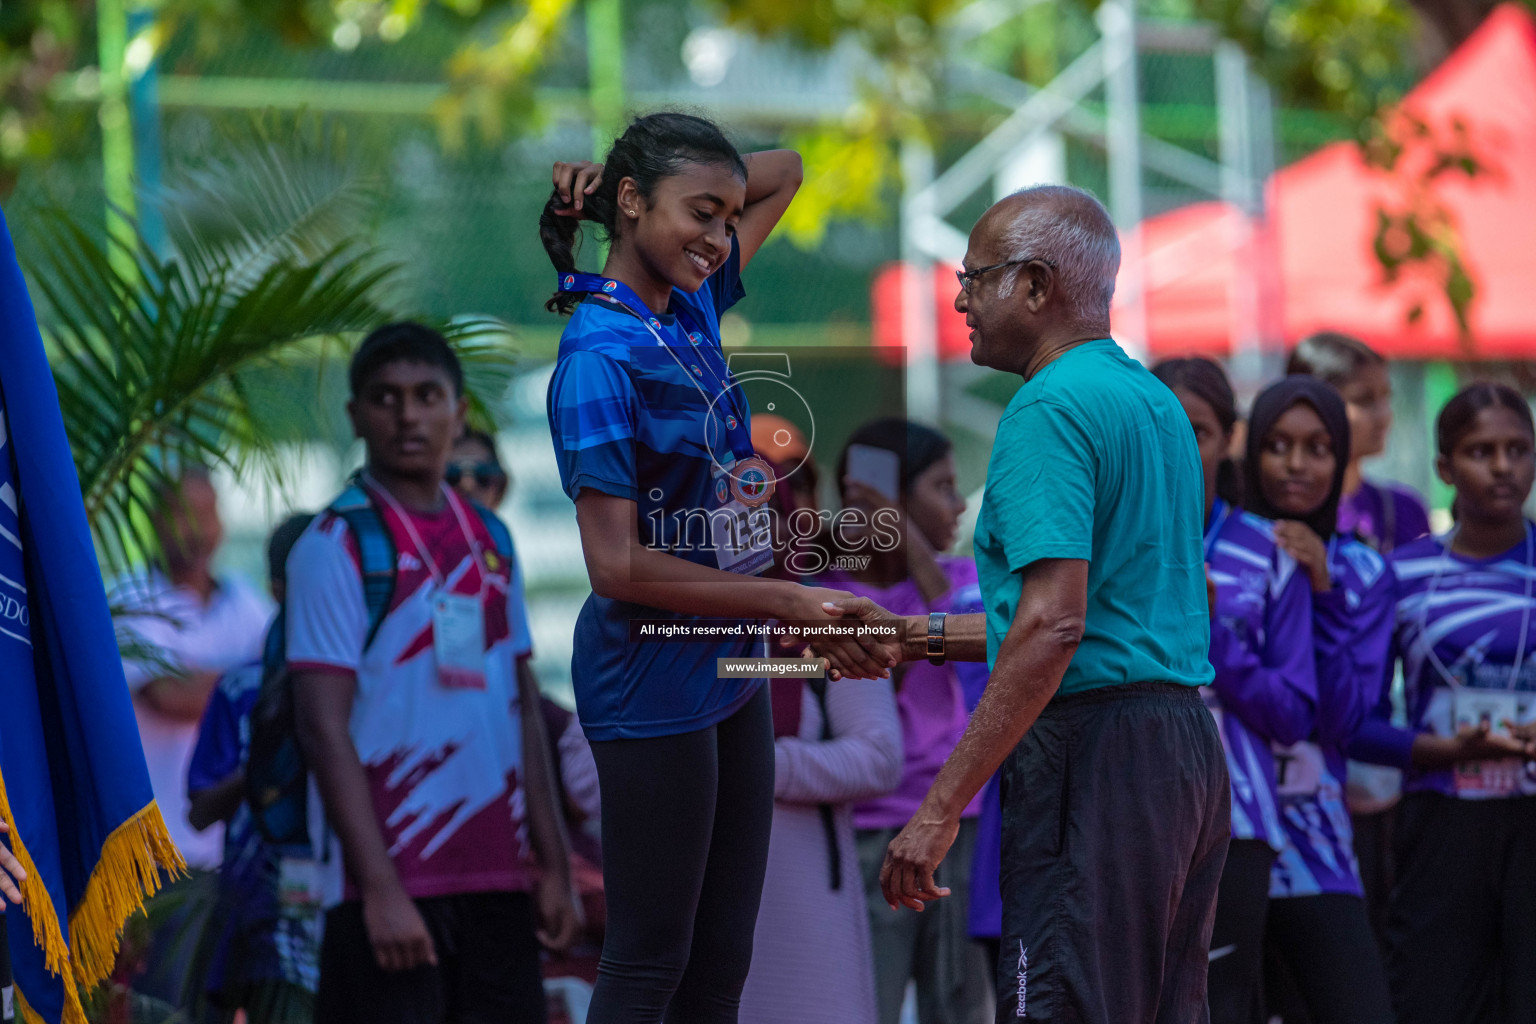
<point>936,637</point>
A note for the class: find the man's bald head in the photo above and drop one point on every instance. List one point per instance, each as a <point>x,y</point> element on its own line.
<point>1067,228</point>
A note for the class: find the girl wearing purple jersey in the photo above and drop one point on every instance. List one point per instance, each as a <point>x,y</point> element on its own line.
<point>1264,693</point>
<point>1384,516</point>
<point>1298,447</point>
<point>1462,923</point>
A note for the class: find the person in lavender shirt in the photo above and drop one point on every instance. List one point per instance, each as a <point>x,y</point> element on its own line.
<point>1326,969</point>
<point>1462,923</point>
<point>833,746</point>
<point>953,976</point>
<point>1264,692</point>
<point>811,958</point>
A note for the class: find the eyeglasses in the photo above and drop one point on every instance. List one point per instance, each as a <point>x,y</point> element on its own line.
<point>485,474</point>
<point>965,277</point>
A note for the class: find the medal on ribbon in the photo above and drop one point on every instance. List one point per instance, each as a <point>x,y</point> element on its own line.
<point>752,481</point>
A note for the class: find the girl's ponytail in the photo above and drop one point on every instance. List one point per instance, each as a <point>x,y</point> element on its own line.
<point>562,235</point>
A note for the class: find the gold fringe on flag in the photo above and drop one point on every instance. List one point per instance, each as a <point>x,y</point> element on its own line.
<point>126,873</point>
<point>74,1013</point>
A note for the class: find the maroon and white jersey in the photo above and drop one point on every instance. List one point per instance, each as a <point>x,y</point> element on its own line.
<point>443,762</point>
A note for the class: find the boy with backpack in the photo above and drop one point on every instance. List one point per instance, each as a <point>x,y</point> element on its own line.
<point>445,863</point>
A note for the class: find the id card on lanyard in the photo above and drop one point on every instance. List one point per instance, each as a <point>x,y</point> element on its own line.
<point>299,889</point>
<point>1477,708</point>
<point>458,640</point>
<point>739,527</point>
<point>1299,769</point>
<point>742,536</point>
<point>458,620</point>
<point>1494,710</point>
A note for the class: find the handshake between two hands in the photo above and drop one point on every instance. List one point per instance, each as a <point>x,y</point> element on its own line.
<point>907,875</point>
<point>860,653</point>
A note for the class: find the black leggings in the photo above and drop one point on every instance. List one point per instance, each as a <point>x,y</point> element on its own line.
<point>1326,968</point>
<point>685,846</point>
<point>1235,982</point>
<point>1463,918</point>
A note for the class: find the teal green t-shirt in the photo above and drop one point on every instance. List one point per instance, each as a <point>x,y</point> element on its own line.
<point>1095,459</point>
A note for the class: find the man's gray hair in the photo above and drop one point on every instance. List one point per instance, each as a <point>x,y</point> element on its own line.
<point>1069,228</point>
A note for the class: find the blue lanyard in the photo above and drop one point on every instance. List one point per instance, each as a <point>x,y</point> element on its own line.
<point>617,293</point>
<point>1219,513</point>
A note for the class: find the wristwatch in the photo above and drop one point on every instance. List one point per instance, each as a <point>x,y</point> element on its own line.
<point>936,638</point>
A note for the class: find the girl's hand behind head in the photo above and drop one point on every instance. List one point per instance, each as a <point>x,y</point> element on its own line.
<point>574,182</point>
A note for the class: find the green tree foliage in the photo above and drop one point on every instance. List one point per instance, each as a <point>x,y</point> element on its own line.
<point>38,42</point>
<point>1350,57</point>
<point>166,359</point>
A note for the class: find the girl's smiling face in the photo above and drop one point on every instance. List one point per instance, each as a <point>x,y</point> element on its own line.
<point>682,233</point>
<point>1368,400</point>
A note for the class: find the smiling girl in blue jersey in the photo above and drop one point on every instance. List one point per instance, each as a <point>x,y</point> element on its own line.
<point>1264,693</point>
<point>648,427</point>
<point>1294,470</point>
<point>1462,923</point>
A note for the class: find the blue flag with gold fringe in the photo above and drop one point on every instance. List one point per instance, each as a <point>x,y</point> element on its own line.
<point>73,786</point>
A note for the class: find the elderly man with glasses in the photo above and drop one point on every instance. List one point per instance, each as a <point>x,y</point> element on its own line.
<point>1114,788</point>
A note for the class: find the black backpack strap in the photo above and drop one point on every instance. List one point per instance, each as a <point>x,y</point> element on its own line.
<point>828,815</point>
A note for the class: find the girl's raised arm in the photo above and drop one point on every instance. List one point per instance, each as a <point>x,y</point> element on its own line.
<point>773,178</point>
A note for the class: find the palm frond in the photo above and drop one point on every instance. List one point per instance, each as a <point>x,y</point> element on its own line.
<point>204,354</point>
<point>148,370</point>
<point>154,355</point>
<point>277,189</point>
<point>484,346</point>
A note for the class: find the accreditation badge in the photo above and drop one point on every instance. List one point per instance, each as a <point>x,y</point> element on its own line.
<point>1298,769</point>
<point>742,534</point>
<point>458,640</point>
<point>298,886</point>
<point>1495,710</point>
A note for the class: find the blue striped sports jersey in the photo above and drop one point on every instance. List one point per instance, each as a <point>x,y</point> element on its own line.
<point>1352,636</point>
<point>630,420</point>
<point>1265,686</point>
<point>1463,629</point>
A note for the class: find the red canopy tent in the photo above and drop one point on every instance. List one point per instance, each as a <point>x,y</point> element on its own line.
<point>1324,211</point>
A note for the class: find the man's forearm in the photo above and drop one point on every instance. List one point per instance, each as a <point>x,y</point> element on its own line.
<point>965,637</point>
<point>545,823</point>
